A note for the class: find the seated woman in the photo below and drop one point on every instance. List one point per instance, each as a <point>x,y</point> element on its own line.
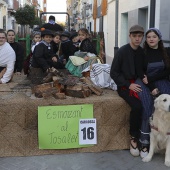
<point>157,66</point>
<point>19,51</point>
<point>82,58</point>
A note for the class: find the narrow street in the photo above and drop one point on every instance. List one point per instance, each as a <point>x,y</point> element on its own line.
<point>112,160</point>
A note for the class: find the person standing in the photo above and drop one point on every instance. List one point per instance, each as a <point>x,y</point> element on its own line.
<point>124,73</point>
<point>19,51</point>
<point>51,25</point>
<point>7,59</point>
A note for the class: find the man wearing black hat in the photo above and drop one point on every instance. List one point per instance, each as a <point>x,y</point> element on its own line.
<point>51,25</point>
<point>124,73</point>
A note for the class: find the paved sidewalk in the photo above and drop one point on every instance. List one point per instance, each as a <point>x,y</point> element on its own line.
<point>111,160</point>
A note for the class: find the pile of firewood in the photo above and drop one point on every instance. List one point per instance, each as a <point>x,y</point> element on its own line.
<point>60,85</point>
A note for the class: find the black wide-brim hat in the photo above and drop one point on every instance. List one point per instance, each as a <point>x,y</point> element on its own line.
<point>46,32</point>
<point>65,34</point>
<point>73,35</point>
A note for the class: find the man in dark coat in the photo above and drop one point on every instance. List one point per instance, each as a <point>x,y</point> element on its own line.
<point>124,73</point>
<point>51,25</point>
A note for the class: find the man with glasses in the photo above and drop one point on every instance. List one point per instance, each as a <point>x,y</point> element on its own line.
<point>7,59</point>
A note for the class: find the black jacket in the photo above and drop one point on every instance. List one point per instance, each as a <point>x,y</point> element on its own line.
<point>19,51</point>
<point>87,46</point>
<point>68,49</point>
<point>123,66</point>
<point>55,27</point>
<point>42,56</point>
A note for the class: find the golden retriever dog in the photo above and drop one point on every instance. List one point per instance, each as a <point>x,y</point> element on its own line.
<point>160,129</point>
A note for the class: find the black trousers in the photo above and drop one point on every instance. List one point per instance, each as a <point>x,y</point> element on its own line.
<point>135,114</point>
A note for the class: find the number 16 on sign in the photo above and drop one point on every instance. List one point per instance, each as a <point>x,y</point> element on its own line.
<point>87,131</point>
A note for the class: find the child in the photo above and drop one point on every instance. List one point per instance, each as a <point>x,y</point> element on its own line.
<point>36,40</point>
<point>43,55</point>
<point>66,45</point>
<point>84,56</point>
<point>56,43</point>
<point>75,39</point>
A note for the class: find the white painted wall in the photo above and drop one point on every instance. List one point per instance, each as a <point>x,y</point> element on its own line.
<point>123,26</point>
<point>109,32</point>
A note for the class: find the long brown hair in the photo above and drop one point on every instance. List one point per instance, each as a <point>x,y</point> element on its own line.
<point>161,47</point>
<point>85,31</point>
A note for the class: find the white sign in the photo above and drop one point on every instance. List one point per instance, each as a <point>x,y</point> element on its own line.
<point>87,131</point>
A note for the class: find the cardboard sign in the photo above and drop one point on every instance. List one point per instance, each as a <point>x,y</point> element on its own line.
<point>58,126</point>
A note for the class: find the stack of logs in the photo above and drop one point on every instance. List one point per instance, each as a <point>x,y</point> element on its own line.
<point>60,85</point>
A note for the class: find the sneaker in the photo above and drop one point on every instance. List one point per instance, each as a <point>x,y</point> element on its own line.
<point>134,150</point>
<point>144,152</point>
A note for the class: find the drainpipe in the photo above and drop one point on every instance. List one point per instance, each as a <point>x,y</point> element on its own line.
<point>152,13</point>
<point>116,26</point>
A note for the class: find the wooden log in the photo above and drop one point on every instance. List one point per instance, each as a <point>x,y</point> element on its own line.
<point>49,92</point>
<point>38,90</point>
<point>87,92</point>
<point>77,87</point>
<point>74,93</point>
<point>59,95</point>
<point>42,87</point>
<point>97,90</point>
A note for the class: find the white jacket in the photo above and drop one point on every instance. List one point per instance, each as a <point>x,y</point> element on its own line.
<point>7,59</point>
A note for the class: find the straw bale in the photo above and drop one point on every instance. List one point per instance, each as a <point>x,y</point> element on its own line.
<point>19,117</point>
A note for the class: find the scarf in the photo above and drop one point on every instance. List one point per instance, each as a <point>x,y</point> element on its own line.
<point>46,44</point>
<point>51,22</point>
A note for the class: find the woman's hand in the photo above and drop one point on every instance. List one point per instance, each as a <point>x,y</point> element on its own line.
<point>135,87</point>
<point>54,59</point>
<point>86,58</point>
<point>145,80</point>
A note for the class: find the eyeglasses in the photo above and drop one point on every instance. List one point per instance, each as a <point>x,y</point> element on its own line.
<point>2,37</point>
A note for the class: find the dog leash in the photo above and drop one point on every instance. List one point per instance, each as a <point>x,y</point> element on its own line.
<point>155,128</point>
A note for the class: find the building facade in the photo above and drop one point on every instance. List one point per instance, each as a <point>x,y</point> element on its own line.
<point>8,7</point>
<point>3,13</point>
<point>115,17</point>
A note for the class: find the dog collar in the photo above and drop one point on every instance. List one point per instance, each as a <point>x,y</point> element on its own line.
<point>155,128</point>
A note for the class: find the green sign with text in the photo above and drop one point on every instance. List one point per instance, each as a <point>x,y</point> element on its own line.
<point>58,126</point>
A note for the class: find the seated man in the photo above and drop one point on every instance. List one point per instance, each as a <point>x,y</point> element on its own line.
<point>7,59</point>
<point>51,25</point>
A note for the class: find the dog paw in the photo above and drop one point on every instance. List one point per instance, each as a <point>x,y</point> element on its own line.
<point>146,159</point>
<point>167,163</point>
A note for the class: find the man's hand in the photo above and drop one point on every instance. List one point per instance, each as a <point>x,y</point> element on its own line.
<point>135,87</point>
<point>54,59</point>
<point>145,80</point>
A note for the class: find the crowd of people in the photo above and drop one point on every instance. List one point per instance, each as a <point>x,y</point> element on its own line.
<point>141,74</point>
<point>51,47</point>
